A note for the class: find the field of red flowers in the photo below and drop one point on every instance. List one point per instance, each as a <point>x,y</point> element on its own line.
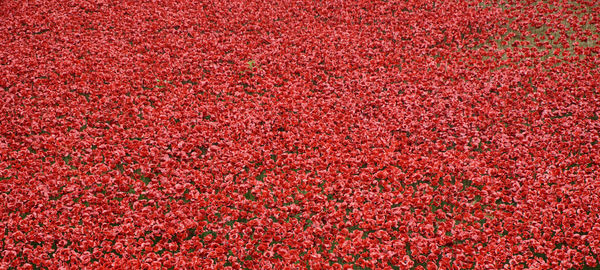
<point>299,134</point>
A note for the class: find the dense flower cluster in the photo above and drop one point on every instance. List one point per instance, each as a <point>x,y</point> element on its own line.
<point>299,134</point>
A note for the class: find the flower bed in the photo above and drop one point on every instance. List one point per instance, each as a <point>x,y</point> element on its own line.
<point>266,135</point>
